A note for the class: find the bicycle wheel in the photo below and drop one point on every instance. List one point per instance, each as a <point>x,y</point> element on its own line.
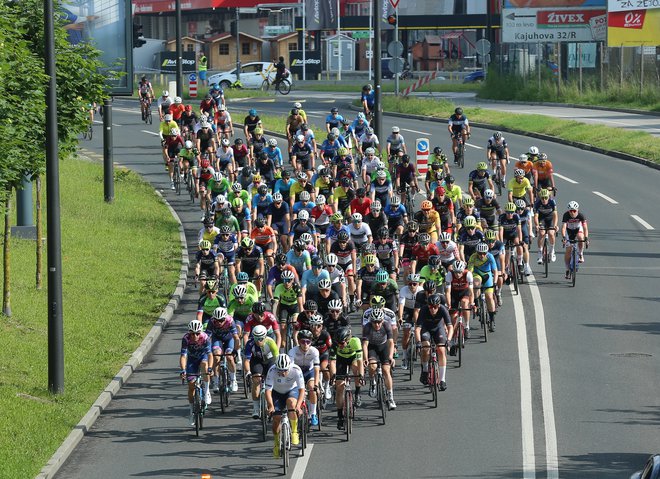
<point>382,398</point>
<point>149,116</point>
<point>227,387</point>
<point>460,344</point>
<point>546,257</point>
<point>246,385</point>
<point>319,413</point>
<point>348,413</point>
<point>433,384</point>
<point>197,411</point>
<point>284,447</point>
<point>411,356</point>
<point>303,425</point>
<point>176,178</point>
<point>223,390</point>
<point>262,407</point>
<point>514,272</point>
<point>461,155</point>
<point>574,265</point>
<point>284,87</point>
<point>265,85</point>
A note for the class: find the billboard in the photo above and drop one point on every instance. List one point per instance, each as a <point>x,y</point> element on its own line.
<point>107,25</point>
<point>633,28</point>
<point>630,5</point>
<point>562,24</point>
<point>161,6</point>
<point>312,63</point>
<point>553,3</point>
<point>166,62</point>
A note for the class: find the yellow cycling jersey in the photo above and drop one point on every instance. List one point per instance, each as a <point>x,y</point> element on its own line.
<point>454,193</point>
<point>166,127</point>
<point>519,189</point>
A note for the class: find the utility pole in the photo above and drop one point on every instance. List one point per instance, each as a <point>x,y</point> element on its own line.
<point>179,54</point>
<point>238,48</point>
<point>378,73</point>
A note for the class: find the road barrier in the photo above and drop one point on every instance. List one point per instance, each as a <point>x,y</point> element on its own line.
<point>422,81</point>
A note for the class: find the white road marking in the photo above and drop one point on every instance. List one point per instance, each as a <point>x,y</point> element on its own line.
<point>150,132</point>
<point>301,463</point>
<point>565,178</point>
<point>642,222</point>
<point>528,458</point>
<point>115,124</point>
<point>126,110</point>
<point>605,197</point>
<point>552,463</point>
<point>474,146</point>
<point>415,131</point>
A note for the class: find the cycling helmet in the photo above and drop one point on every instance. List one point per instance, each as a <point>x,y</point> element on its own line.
<point>259,332</point>
<point>303,215</point>
<point>262,190</point>
<point>331,260</point>
<point>382,276</point>
<point>533,150</point>
<point>283,362</point>
<point>573,205</point>
<point>377,315</point>
<point>470,221</point>
<point>376,205</point>
<point>482,166</point>
<point>489,194</point>
<point>458,111</point>
<point>459,266</point>
<point>167,117</point>
<point>325,284</point>
<point>247,243</point>
<point>287,275</point>
<point>412,226</point>
<point>336,217</point>
<point>519,173</point>
<point>491,235</point>
<point>544,194</point>
<point>277,197</point>
<point>367,248</point>
<point>468,201</point>
<point>424,239</point>
<point>272,142</point>
<point>543,156</point>
<point>445,236</point>
<point>260,222</point>
<point>240,291</point>
<point>335,304</point>
<point>259,308</point>
<point>370,151</point>
<point>237,203</point>
<point>334,110</point>
<point>497,136</point>
<point>429,286</point>
<point>188,144</point>
<point>195,326</point>
<point>395,129</point>
<point>242,277</point>
<point>238,141</point>
<point>299,245</point>
<point>177,100</point>
<point>342,236</point>
<point>252,112</point>
<point>435,300</point>
<point>236,187</point>
<point>208,221</point>
<point>310,305</point>
<point>217,176</point>
<point>225,230</point>
<point>427,205</point>
<point>342,151</point>
<point>369,260</point>
<point>523,157</point>
<point>320,200</point>
<point>434,261</point>
<point>440,190</point>
<point>381,174</point>
<point>317,262</point>
<point>437,151</point>
<point>219,313</point>
<point>380,165</point>
<point>367,87</point>
<point>307,239</point>
<point>510,207</point>
<point>382,233</point>
<point>449,179</point>
<point>175,132</point>
<point>205,244</point>
<point>305,334</point>
<point>356,217</point>
<point>360,116</point>
<point>414,278</point>
<point>344,335</point>
<point>360,192</point>
<point>482,248</point>
<point>225,142</point>
<point>520,204</point>
<point>304,196</point>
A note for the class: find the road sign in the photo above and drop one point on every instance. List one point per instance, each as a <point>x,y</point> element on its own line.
<point>422,155</point>
<point>395,48</point>
<point>533,25</point>
<point>483,47</point>
<point>360,34</point>
<point>394,3</point>
<point>395,65</point>
<point>369,54</point>
<point>192,85</point>
<point>192,77</point>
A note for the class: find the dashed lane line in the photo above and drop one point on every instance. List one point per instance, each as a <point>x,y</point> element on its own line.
<point>642,222</point>
<point>566,178</point>
<point>301,463</point>
<point>605,197</point>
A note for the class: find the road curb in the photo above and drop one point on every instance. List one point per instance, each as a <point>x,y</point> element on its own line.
<point>58,459</point>
<point>540,136</point>
<point>570,105</point>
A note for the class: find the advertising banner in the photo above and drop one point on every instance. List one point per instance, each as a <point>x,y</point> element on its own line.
<point>160,6</point>
<point>321,14</point>
<point>630,5</point>
<point>532,25</point>
<point>312,62</point>
<point>166,62</point>
<point>633,28</point>
<point>553,3</point>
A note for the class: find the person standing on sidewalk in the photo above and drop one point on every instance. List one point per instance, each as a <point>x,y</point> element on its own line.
<point>202,67</point>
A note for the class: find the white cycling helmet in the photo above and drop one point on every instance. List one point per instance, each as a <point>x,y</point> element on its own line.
<point>259,332</point>
<point>283,362</point>
<point>489,194</point>
<point>217,176</point>
<point>444,236</point>
<point>297,105</point>
<point>303,215</point>
<point>166,93</point>
<point>482,248</point>
<point>188,144</point>
<point>320,200</point>
<point>533,150</point>
<point>177,100</point>
<point>240,291</point>
<point>370,151</point>
<point>376,206</point>
<point>459,266</point>
<point>300,138</point>
<point>167,117</point>
<point>357,217</point>
<point>304,196</point>
<point>395,129</point>
<point>225,142</point>
<point>272,142</point>
<point>573,205</point>
<point>195,326</point>
<point>306,237</point>
<point>331,260</point>
<point>219,313</point>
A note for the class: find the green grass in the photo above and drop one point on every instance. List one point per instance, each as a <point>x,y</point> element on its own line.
<point>516,88</point>
<point>120,264</point>
<point>387,86</point>
<point>636,143</point>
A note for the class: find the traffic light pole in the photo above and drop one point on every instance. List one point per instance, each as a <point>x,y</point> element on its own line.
<point>378,69</point>
<point>179,54</point>
<point>238,47</point>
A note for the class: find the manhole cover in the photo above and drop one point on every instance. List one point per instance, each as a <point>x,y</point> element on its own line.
<point>631,355</point>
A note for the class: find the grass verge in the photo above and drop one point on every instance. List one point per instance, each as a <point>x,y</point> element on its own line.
<point>120,264</point>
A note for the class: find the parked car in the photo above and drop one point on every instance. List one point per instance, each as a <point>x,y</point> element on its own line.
<point>475,77</point>
<point>651,469</point>
<point>252,75</point>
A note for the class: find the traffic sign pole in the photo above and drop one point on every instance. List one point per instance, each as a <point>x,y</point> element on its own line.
<point>192,85</point>
<point>378,70</point>
<point>422,155</point>
<point>396,39</point>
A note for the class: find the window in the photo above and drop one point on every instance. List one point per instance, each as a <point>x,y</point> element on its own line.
<point>245,48</point>
<point>293,46</point>
<point>223,49</point>
<point>190,47</point>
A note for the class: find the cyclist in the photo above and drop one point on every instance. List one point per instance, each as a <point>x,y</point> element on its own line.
<point>207,106</point>
<point>381,188</point>
<point>205,138</point>
<point>345,359</point>
<point>206,263</point>
<point>376,219</point>
<point>368,140</point>
<point>467,209</point>
<point>189,120</point>
<point>408,241</point>
<point>195,359</point>
<point>279,219</point>
<point>322,341</point>
<point>242,213</point>
<point>298,187</point>
<point>458,125</point>
<point>346,254</point>
<point>528,167</point>
<point>209,301</point>
<point>288,299</point>
<point>498,150</point>
<point>257,143</point>
<point>240,307</point>
<point>422,251</point>
<point>469,237</point>
<point>445,208</point>
<point>406,176</point>
<point>368,100</point>
<point>293,123</point>
<point>224,336</point>
<point>479,180</point>
<point>250,259</point>
<point>302,155</point>
<point>164,103</point>
<point>325,295</point>
<point>545,219</point>
<point>283,185</point>
<point>275,275</point>
<point>241,154</point>
<point>299,257</point>
<point>304,204</point>
<point>359,230</point>
<point>366,277</point>
<point>434,176</point>
<point>489,210</point>
<point>378,347</point>
<point>337,277</point>
<point>361,204</point>
<point>310,279</point>
<point>574,227</point>
<point>261,202</point>
<point>218,95</point>
<point>511,231</point>
<point>260,354</point>
<point>396,215</point>
<point>533,154</point>
<point>243,280</point>
<point>320,214</point>
<point>460,292</point>
<point>484,271</point>
<point>172,145</point>
<point>526,220</point>
<point>496,249</point>
<point>217,185</point>
<point>520,188</point>
<point>544,174</point>
<point>333,120</point>
<point>146,93</point>
<point>428,220</point>
<point>448,250</point>
<point>433,325</point>
<point>433,271</point>
<point>307,357</point>
<point>190,159</point>
<point>395,143</point>
<point>250,124</point>
<point>225,244</point>
<point>387,251</point>
<point>407,296</point>
<point>264,238</point>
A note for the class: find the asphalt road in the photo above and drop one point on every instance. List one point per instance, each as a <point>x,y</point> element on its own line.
<point>567,386</point>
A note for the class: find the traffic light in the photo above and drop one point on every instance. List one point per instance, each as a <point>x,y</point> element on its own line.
<point>138,36</point>
<point>391,19</point>
<point>232,29</point>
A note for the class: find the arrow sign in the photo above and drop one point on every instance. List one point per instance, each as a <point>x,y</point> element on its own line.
<point>513,16</point>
